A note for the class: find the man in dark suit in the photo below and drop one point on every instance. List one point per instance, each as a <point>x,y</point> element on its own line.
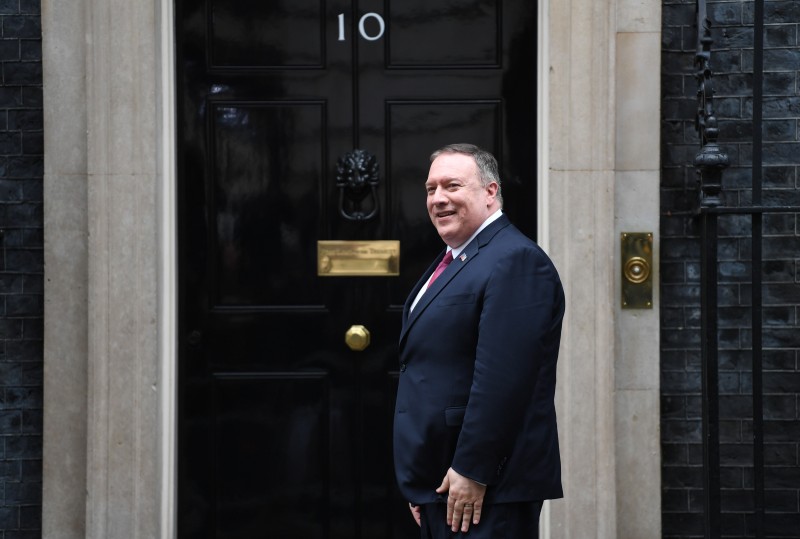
<point>475,437</point>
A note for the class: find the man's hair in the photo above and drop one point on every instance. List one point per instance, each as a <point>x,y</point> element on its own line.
<point>485,161</point>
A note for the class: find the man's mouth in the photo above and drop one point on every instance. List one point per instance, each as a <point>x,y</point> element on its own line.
<point>443,214</point>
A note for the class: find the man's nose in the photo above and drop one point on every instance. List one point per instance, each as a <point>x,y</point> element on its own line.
<point>438,196</point>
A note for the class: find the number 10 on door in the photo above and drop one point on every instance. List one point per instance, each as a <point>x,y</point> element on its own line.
<point>362,26</point>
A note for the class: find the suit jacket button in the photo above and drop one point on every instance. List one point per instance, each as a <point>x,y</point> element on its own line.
<point>402,367</point>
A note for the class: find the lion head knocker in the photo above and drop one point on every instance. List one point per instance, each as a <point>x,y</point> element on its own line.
<point>357,175</point>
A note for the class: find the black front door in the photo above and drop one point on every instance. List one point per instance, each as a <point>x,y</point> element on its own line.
<point>284,431</point>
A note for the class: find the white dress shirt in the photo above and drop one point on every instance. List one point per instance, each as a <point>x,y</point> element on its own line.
<point>457,251</point>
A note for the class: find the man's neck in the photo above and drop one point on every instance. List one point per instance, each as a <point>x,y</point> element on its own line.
<point>489,220</point>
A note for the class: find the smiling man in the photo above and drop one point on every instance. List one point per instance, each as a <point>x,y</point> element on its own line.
<point>475,437</point>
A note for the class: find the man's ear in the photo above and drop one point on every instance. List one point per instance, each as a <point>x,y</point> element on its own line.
<point>491,190</point>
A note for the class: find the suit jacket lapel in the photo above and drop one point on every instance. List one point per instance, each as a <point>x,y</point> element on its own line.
<point>466,256</point>
<point>420,284</point>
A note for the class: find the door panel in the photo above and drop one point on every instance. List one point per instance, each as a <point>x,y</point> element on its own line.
<point>447,34</point>
<point>267,167</point>
<point>297,464</point>
<point>283,430</point>
<point>259,34</point>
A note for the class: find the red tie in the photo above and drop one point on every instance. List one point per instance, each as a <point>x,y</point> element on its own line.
<point>440,268</point>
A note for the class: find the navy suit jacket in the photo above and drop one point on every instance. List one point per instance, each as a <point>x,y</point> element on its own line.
<point>478,373</point>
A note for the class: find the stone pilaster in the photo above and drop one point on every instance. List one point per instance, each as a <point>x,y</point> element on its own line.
<point>66,271</point>
<point>602,121</point>
<point>105,434</point>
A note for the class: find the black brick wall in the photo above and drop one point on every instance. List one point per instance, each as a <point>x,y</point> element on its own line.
<point>732,60</point>
<point>21,269</point>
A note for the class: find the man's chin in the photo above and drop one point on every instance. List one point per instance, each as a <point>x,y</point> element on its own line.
<point>443,233</point>
<point>449,239</point>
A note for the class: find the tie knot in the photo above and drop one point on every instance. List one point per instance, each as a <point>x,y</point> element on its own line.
<point>440,268</point>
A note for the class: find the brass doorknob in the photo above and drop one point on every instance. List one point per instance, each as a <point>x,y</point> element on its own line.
<point>357,337</point>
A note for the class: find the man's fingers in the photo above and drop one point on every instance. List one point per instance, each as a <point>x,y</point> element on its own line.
<point>466,516</point>
<point>455,520</point>
<point>451,504</point>
<point>476,513</point>
<point>462,516</point>
<point>464,500</point>
<point>415,512</point>
<point>445,486</point>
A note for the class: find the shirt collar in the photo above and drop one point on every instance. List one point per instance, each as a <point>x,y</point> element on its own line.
<point>489,220</point>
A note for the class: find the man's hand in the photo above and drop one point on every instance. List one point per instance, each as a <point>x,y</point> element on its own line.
<point>464,500</point>
<point>415,513</point>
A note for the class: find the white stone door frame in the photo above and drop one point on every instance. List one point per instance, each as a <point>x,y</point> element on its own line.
<point>110,264</point>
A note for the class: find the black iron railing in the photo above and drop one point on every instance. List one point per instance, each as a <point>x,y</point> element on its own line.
<point>710,163</point>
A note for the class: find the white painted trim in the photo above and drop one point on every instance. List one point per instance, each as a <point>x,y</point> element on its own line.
<point>543,127</point>
<point>543,163</point>
<point>168,290</point>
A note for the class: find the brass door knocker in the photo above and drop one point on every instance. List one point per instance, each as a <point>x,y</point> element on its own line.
<point>357,177</point>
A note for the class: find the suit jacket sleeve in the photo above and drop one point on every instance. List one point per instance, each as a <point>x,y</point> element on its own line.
<point>519,331</point>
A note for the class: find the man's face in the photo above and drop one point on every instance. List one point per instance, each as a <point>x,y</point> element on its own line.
<point>457,202</point>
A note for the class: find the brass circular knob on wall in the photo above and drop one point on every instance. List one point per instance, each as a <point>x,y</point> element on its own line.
<point>636,270</point>
<point>357,337</point>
